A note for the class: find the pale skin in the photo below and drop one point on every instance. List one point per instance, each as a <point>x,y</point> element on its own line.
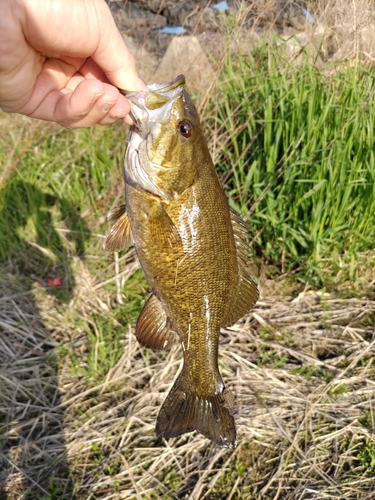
<point>63,61</point>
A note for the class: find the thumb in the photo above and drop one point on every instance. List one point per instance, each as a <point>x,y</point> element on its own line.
<point>114,57</point>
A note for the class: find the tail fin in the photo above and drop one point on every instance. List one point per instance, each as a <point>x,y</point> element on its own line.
<point>183,412</point>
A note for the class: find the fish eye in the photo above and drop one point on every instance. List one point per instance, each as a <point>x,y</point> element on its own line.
<point>184,128</point>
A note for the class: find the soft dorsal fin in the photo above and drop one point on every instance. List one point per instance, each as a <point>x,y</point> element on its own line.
<point>153,328</point>
<point>120,236</point>
<point>247,291</point>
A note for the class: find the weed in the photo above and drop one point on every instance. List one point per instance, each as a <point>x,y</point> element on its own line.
<point>102,350</point>
<point>295,150</point>
<point>367,419</point>
<point>171,480</point>
<point>338,390</point>
<point>366,455</point>
<point>310,372</point>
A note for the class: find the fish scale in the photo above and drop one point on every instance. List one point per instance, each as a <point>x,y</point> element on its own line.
<point>192,248</point>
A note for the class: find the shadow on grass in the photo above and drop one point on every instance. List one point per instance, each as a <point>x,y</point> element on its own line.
<point>33,254</point>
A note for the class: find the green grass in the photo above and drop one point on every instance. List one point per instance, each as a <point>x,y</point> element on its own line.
<point>53,203</point>
<point>53,206</point>
<point>309,372</point>
<point>64,179</point>
<point>366,456</point>
<point>297,153</point>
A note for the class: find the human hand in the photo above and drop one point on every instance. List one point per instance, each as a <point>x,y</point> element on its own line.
<point>61,61</point>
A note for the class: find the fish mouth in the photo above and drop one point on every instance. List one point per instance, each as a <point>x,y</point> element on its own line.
<point>153,105</point>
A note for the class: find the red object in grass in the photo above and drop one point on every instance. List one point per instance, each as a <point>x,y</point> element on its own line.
<point>54,281</point>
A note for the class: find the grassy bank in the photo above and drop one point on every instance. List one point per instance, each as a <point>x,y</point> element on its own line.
<point>79,397</point>
<point>295,147</point>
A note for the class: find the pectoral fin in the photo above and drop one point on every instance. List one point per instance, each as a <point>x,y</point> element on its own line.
<point>153,328</point>
<point>247,291</point>
<point>120,235</point>
<point>116,213</point>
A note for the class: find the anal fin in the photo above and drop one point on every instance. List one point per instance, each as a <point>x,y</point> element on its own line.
<point>153,328</point>
<point>247,290</point>
<point>120,235</point>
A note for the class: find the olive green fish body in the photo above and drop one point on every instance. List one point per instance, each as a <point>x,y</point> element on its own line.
<point>191,247</point>
<point>195,276</point>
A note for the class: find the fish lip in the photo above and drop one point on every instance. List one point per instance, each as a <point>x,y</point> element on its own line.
<point>140,127</point>
<point>163,88</point>
<point>135,173</point>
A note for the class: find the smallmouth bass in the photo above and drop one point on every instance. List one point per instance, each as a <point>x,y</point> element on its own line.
<point>192,248</point>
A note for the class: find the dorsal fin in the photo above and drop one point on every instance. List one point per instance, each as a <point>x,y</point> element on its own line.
<point>247,291</point>
<point>120,236</point>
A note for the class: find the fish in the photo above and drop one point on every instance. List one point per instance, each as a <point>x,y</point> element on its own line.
<point>193,250</point>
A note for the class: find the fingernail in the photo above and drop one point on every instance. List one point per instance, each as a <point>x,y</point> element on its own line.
<point>107,106</point>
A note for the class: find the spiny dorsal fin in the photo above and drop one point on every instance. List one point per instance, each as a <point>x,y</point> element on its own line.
<point>153,328</point>
<point>120,236</point>
<point>247,291</point>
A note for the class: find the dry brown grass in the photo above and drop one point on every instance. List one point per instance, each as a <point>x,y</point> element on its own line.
<point>344,29</point>
<point>301,368</point>
<point>347,29</point>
